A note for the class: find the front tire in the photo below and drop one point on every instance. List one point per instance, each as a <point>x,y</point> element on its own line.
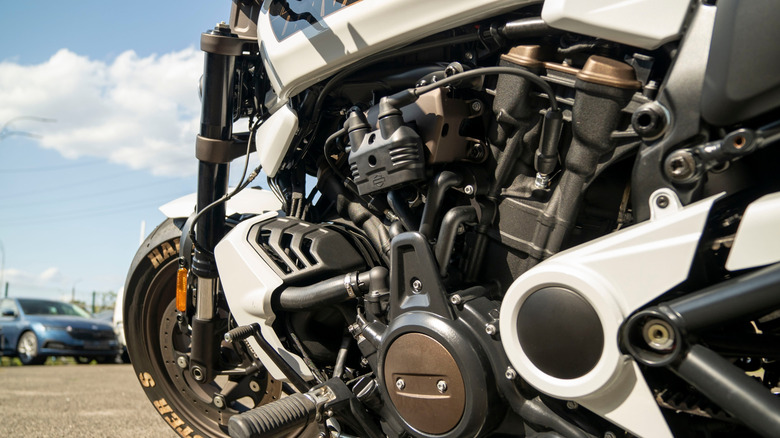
<point>27,349</point>
<point>158,348</point>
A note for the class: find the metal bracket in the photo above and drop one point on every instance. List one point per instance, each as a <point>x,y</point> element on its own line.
<point>220,151</point>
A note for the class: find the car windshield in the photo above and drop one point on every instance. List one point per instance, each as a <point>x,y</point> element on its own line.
<point>45,307</point>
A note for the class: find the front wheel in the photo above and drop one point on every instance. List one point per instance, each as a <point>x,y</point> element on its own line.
<point>27,349</point>
<point>159,348</point>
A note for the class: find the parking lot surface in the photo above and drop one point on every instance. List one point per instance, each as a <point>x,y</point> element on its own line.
<point>76,401</point>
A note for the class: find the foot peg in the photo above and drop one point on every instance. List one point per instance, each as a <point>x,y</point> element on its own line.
<point>276,419</point>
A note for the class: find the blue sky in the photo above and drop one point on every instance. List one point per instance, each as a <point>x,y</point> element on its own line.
<point>120,81</point>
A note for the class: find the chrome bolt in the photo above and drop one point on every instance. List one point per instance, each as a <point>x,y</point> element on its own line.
<point>228,338</point>
<point>469,190</point>
<point>491,329</point>
<point>461,229</point>
<point>400,384</point>
<point>219,401</point>
<point>254,386</point>
<point>330,413</point>
<point>680,165</point>
<point>572,404</point>
<point>456,299</point>
<point>441,385</point>
<point>197,373</point>
<point>416,285</point>
<point>658,334</point>
<point>182,362</point>
<point>510,373</point>
<point>476,106</point>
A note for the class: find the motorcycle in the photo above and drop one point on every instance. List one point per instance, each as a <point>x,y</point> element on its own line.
<point>494,218</point>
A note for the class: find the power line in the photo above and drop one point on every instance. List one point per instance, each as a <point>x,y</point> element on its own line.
<point>50,168</point>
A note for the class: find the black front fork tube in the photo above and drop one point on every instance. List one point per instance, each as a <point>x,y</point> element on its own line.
<point>216,130</point>
<point>662,336</point>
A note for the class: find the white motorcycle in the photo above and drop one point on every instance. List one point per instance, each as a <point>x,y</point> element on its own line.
<point>485,218</point>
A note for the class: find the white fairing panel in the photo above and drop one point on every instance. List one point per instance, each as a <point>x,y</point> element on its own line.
<point>757,241</point>
<point>641,23</point>
<point>359,30</point>
<point>249,201</point>
<point>273,138</point>
<point>248,283</point>
<point>616,275</point>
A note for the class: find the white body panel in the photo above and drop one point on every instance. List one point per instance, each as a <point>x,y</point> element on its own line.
<point>248,283</point>
<point>616,274</point>
<point>758,236</point>
<point>642,23</point>
<point>274,137</point>
<point>248,201</point>
<point>359,30</point>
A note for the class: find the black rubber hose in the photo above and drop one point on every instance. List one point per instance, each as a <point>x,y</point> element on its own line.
<point>276,419</point>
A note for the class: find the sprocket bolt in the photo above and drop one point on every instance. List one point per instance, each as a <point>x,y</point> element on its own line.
<point>441,385</point>
<point>400,384</point>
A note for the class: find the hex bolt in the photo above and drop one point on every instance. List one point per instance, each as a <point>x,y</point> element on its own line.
<point>254,386</point>
<point>491,329</point>
<point>510,373</point>
<point>456,299</point>
<point>181,361</point>
<point>416,285</point>
<point>469,190</point>
<point>662,201</point>
<point>476,106</point>
<point>572,404</point>
<point>219,401</point>
<point>680,165</point>
<point>441,385</point>
<point>400,384</point>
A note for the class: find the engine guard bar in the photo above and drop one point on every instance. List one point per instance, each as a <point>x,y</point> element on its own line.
<point>659,337</point>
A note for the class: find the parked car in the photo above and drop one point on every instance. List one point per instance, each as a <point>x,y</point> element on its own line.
<point>34,329</point>
<point>119,327</point>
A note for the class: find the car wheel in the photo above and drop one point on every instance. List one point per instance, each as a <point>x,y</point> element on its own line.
<point>27,349</point>
<point>83,360</point>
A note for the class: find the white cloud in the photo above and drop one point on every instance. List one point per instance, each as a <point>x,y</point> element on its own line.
<point>141,112</point>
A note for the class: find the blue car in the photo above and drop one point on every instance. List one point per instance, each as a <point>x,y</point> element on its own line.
<point>35,329</point>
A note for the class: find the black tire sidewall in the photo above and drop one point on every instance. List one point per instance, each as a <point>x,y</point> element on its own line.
<point>157,252</point>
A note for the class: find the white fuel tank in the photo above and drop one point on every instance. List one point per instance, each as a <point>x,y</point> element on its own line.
<point>305,41</point>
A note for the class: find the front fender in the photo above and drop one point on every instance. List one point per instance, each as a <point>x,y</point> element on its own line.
<point>248,201</point>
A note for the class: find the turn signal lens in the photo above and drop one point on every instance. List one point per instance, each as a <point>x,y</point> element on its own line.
<point>181,290</point>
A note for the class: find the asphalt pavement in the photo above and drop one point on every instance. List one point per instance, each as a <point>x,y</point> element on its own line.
<point>76,401</point>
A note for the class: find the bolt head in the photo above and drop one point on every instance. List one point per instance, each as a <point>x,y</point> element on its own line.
<point>441,385</point>
<point>400,384</point>
<point>469,56</point>
<point>219,401</point>
<point>416,285</point>
<point>491,329</point>
<point>680,165</point>
<point>476,106</point>
<point>456,299</point>
<point>572,404</point>
<point>658,334</point>
<point>181,362</point>
<point>469,189</point>
<point>197,374</point>
<point>510,373</point>
<point>662,201</point>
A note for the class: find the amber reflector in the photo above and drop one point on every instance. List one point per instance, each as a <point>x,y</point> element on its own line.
<point>181,290</point>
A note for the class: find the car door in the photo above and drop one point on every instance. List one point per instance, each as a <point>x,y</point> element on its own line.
<point>10,325</point>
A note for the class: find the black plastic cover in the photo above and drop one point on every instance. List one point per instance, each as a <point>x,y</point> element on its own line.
<point>302,252</point>
<point>380,163</point>
<point>743,71</point>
